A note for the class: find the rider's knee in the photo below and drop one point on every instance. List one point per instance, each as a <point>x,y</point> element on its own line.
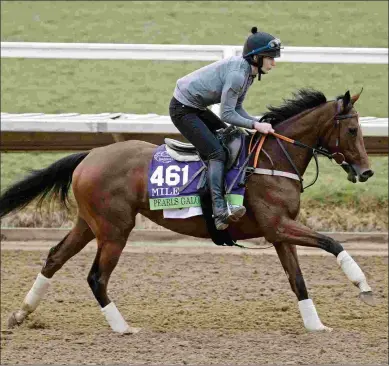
<point>219,154</point>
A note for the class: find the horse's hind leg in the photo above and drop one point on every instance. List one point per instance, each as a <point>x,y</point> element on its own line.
<point>288,256</point>
<point>70,245</point>
<point>111,243</point>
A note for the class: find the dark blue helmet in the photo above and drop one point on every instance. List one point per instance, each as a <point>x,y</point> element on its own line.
<point>261,43</point>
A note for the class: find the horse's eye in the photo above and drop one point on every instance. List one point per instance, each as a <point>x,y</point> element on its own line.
<point>353,131</point>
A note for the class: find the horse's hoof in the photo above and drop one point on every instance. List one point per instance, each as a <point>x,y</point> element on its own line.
<point>12,322</point>
<point>367,297</point>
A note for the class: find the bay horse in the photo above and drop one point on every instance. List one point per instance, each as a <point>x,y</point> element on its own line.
<point>110,187</point>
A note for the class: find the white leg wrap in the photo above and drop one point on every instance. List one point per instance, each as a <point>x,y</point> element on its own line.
<point>310,318</point>
<point>352,271</point>
<point>36,293</point>
<point>33,298</point>
<point>115,319</point>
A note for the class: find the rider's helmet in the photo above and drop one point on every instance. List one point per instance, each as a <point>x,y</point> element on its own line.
<point>261,44</point>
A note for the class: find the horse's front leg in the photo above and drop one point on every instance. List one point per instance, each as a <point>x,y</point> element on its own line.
<point>288,256</point>
<point>292,232</point>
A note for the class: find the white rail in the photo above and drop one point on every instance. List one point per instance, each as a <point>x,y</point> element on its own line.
<point>126,123</point>
<point>100,51</point>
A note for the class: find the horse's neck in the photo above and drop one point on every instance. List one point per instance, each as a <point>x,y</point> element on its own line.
<point>305,129</point>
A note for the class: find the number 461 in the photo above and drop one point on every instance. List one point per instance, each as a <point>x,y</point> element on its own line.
<point>171,175</point>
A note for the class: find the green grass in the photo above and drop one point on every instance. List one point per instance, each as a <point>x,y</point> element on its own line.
<point>332,187</point>
<point>85,86</point>
<point>16,165</point>
<point>297,23</point>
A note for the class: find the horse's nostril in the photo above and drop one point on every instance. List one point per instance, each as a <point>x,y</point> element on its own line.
<point>368,173</point>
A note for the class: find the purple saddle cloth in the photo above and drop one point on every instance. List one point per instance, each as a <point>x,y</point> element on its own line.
<point>175,184</point>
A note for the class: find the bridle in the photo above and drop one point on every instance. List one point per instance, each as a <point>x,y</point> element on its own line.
<point>337,118</point>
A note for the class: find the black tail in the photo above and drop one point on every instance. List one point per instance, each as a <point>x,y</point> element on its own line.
<point>53,181</point>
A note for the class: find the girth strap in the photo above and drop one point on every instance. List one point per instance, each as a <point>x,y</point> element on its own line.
<point>277,173</point>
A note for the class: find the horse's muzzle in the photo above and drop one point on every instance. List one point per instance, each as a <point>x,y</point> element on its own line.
<point>353,171</point>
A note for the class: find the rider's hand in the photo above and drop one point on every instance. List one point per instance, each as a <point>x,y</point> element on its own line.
<point>263,127</point>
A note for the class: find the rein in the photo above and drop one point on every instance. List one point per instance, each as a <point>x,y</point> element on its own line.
<point>315,152</point>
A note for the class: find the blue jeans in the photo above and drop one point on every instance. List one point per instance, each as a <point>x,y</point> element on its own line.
<point>199,127</point>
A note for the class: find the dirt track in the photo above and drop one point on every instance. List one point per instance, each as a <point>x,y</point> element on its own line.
<point>214,306</point>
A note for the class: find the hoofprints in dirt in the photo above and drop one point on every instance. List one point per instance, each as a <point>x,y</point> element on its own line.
<point>200,308</point>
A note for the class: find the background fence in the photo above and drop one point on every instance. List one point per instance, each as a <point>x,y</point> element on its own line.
<point>184,52</point>
<point>73,131</point>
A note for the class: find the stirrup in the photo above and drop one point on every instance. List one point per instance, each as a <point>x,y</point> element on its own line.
<point>221,223</point>
<point>235,213</point>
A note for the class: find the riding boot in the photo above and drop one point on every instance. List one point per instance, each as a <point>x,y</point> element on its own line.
<point>216,185</point>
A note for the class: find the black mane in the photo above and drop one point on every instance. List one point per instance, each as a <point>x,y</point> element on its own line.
<point>303,99</point>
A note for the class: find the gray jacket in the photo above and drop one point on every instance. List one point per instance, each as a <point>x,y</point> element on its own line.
<point>225,82</point>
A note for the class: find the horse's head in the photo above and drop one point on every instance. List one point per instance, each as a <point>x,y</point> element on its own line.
<point>343,138</point>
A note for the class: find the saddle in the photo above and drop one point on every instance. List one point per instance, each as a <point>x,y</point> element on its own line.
<point>230,138</point>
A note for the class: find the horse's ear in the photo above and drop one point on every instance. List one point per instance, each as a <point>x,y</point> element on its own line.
<point>355,97</point>
<point>346,99</point>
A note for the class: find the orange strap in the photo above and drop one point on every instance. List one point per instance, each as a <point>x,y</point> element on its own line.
<point>251,141</point>
<point>259,148</point>
<point>282,137</point>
